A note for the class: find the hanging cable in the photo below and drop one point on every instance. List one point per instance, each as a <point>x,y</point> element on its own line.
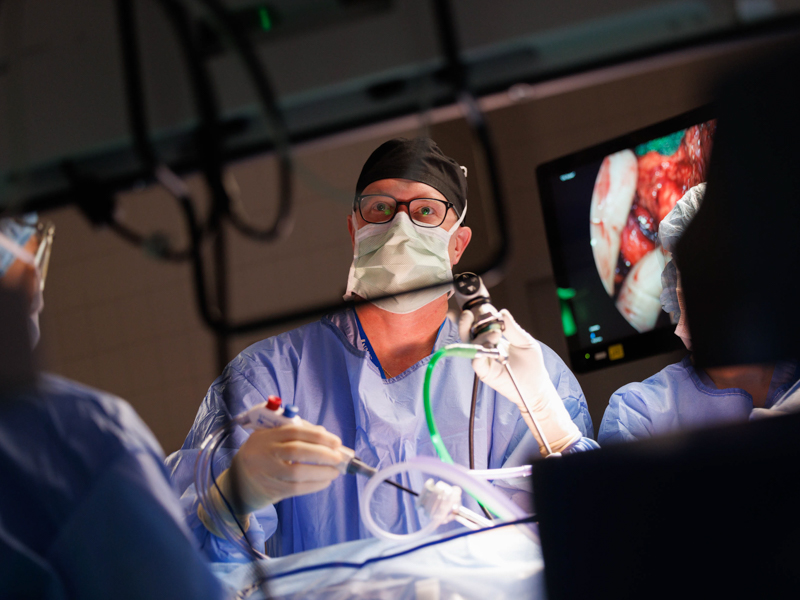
<point>155,244</point>
<point>209,142</point>
<point>456,72</point>
<point>244,48</point>
<point>472,410</point>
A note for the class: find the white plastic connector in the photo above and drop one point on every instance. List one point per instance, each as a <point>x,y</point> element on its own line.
<point>440,501</point>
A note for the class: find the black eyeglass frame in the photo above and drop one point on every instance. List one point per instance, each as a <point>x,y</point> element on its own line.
<point>406,203</point>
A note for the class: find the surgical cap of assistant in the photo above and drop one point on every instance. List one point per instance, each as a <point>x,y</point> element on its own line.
<point>419,160</point>
<point>19,231</point>
<point>669,232</point>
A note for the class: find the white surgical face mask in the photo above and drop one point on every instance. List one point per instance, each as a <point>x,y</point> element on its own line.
<point>393,257</point>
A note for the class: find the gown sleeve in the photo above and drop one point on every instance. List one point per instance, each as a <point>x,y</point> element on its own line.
<point>626,418</point>
<point>131,507</point>
<point>241,394</point>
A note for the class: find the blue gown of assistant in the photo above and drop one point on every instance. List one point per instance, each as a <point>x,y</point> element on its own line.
<point>325,369</point>
<point>681,397</point>
<point>86,508</point>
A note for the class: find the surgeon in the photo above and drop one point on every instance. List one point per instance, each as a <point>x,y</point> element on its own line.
<point>684,396</point>
<point>359,374</point>
<point>86,508</point>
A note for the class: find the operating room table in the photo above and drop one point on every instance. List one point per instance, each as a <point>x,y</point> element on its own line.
<point>498,564</point>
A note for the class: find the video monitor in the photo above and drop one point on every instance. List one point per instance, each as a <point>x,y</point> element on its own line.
<point>602,207</point>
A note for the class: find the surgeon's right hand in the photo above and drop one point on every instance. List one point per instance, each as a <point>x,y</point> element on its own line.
<point>274,464</point>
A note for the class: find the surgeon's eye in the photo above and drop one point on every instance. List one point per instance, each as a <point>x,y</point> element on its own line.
<point>427,211</point>
<point>377,209</point>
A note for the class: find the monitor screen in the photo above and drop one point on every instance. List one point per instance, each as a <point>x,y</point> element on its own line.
<point>602,209</point>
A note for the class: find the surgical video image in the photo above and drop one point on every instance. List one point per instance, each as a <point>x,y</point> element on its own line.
<point>633,191</point>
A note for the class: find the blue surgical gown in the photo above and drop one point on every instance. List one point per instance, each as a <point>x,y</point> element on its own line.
<point>682,397</point>
<point>324,369</point>
<point>86,508</point>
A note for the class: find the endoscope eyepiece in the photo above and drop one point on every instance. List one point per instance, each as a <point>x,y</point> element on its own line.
<point>473,296</point>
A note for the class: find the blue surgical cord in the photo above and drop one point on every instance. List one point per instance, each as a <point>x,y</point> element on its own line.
<point>255,553</point>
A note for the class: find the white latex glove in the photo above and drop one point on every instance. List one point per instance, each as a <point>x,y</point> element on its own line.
<point>274,464</point>
<point>527,362</point>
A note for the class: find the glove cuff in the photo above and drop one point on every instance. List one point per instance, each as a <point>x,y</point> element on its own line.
<point>556,425</point>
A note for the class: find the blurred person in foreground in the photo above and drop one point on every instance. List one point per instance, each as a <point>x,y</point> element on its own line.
<point>740,257</point>
<point>86,508</point>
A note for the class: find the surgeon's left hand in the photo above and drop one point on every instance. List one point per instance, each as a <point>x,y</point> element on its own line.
<point>527,363</point>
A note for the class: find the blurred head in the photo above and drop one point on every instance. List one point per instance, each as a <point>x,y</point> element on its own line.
<point>740,257</point>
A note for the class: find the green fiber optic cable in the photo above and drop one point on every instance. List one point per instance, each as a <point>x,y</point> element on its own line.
<point>462,351</point>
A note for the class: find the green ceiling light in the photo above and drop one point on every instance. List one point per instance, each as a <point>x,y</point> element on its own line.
<point>567,319</point>
<point>266,20</point>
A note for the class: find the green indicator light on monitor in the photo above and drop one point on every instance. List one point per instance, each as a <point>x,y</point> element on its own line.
<point>586,356</point>
<point>566,293</point>
<point>567,319</point>
<point>266,21</point>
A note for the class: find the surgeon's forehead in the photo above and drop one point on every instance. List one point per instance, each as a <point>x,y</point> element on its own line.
<point>403,188</point>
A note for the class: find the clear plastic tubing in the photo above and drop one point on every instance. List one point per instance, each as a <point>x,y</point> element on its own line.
<point>507,473</point>
<point>455,474</point>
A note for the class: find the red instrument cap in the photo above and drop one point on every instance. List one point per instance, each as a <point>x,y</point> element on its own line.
<point>273,402</point>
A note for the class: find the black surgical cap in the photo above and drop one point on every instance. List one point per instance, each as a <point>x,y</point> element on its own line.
<point>417,160</point>
<point>740,257</point>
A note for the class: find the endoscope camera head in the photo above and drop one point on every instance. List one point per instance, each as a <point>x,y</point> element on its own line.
<point>473,296</point>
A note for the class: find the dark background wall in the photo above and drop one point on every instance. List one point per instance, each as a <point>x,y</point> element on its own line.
<point>121,321</point>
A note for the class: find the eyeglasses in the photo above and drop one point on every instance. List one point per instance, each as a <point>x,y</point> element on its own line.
<point>380,208</point>
<point>45,230</point>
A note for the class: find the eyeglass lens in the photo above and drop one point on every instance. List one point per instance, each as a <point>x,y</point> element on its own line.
<point>426,212</point>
